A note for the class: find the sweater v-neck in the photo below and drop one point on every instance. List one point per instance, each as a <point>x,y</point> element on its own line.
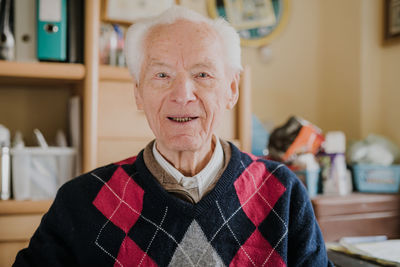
<point>150,184</point>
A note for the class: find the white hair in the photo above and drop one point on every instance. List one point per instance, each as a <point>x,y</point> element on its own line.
<point>136,35</point>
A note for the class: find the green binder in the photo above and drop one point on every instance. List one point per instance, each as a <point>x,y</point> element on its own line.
<point>52,30</point>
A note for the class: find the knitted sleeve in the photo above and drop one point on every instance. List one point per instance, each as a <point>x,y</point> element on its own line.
<point>306,246</point>
<point>49,244</point>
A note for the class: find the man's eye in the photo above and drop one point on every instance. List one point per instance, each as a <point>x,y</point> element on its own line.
<point>162,75</point>
<point>203,75</point>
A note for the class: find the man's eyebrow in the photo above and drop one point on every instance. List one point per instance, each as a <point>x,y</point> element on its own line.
<point>205,64</point>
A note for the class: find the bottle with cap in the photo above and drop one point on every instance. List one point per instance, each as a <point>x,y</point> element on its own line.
<point>336,177</point>
<point>5,179</point>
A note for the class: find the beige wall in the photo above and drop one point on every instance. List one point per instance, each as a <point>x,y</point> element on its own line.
<point>339,80</point>
<point>370,93</point>
<point>288,83</point>
<point>390,86</point>
<point>330,67</point>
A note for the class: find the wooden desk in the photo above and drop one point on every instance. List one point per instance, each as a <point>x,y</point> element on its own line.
<point>358,215</point>
<point>343,260</point>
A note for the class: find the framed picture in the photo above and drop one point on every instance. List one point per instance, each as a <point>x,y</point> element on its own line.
<point>129,11</point>
<point>392,20</point>
<point>244,14</point>
<point>256,21</point>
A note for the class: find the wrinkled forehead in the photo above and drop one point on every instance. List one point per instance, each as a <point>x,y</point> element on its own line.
<point>183,35</point>
<point>198,29</point>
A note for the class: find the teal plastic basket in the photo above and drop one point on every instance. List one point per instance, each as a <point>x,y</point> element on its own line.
<point>376,178</point>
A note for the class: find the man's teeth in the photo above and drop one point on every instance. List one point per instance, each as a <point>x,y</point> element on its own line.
<point>182,119</point>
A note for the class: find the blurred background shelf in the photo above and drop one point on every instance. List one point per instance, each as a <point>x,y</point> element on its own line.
<point>113,73</point>
<point>10,207</point>
<point>67,72</point>
<point>18,222</point>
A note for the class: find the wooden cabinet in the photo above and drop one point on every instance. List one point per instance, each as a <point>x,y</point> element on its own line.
<point>32,95</point>
<point>36,94</point>
<point>18,221</point>
<point>358,215</point>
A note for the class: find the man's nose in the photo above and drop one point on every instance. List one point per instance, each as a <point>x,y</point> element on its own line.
<point>182,90</point>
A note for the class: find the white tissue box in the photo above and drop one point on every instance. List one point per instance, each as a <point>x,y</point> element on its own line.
<point>37,173</point>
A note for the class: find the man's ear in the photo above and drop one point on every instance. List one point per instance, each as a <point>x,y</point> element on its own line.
<point>233,91</point>
<point>138,95</point>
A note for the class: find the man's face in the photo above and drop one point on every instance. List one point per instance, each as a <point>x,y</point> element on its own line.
<point>185,85</point>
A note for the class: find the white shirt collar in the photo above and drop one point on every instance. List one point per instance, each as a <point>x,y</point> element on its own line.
<point>204,178</point>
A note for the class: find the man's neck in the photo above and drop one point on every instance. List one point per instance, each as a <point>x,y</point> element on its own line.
<point>189,163</point>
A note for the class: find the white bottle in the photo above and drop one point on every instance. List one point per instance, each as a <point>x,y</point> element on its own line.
<point>7,43</point>
<point>5,182</point>
<point>336,177</point>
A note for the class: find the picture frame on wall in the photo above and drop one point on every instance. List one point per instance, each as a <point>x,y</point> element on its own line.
<point>258,22</point>
<point>392,20</point>
<point>129,11</point>
<point>243,14</point>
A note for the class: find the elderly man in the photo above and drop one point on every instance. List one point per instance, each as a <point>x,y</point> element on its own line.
<point>189,198</point>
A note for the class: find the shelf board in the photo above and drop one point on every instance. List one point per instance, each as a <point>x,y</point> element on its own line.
<point>113,73</point>
<point>42,71</point>
<point>8,207</point>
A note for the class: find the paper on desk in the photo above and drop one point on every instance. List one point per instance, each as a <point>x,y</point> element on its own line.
<point>386,250</point>
<point>386,253</point>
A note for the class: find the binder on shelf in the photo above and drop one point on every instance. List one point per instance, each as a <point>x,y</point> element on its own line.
<point>25,30</point>
<point>75,29</point>
<point>52,30</point>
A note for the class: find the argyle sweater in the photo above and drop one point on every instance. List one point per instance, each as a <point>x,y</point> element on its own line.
<point>258,214</point>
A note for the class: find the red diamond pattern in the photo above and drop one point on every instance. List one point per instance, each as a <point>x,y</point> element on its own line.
<point>254,204</point>
<point>129,161</point>
<point>253,157</point>
<point>257,252</point>
<point>107,202</point>
<point>130,254</point>
<point>257,189</point>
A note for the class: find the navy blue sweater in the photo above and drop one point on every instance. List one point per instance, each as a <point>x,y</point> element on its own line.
<point>258,214</point>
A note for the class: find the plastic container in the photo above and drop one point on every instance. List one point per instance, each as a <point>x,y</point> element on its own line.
<point>310,179</point>
<point>37,173</point>
<point>376,178</point>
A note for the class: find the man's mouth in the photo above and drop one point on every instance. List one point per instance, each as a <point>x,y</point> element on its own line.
<point>182,119</point>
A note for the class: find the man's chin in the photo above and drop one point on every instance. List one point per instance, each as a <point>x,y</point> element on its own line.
<point>183,144</point>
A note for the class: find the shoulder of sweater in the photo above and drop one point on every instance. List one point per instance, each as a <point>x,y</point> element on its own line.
<point>278,169</point>
<point>88,177</point>
<point>294,186</point>
<point>282,173</point>
<point>87,185</point>
<point>103,173</point>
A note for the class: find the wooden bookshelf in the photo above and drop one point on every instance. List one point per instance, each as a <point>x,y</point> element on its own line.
<point>42,70</point>
<point>18,222</point>
<point>112,73</point>
<point>13,207</point>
